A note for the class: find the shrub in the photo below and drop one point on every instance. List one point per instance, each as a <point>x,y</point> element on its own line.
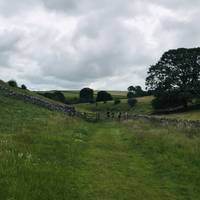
<point>86,95</point>
<point>104,96</point>
<point>171,99</point>
<point>23,87</point>
<point>117,101</point>
<point>132,102</point>
<point>12,83</point>
<point>56,96</point>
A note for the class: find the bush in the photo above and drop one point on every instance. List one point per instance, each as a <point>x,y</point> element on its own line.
<point>56,96</point>
<point>171,99</point>
<point>86,95</point>
<point>12,83</point>
<point>104,96</point>
<point>23,87</point>
<point>132,102</point>
<point>117,101</point>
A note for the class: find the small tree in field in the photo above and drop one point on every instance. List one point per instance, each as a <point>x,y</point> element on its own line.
<point>104,96</point>
<point>12,83</point>
<point>86,95</point>
<point>23,87</point>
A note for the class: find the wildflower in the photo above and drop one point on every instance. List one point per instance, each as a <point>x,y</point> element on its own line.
<point>20,155</point>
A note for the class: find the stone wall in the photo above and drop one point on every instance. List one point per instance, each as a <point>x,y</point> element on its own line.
<point>167,121</point>
<point>54,106</point>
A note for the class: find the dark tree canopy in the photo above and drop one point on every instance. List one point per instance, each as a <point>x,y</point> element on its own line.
<point>104,96</point>
<point>56,96</point>
<point>135,92</point>
<point>178,73</point>
<point>86,95</point>
<point>12,83</point>
<point>23,87</point>
<point>60,96</point>
<point>177,69</point>
<point>171,99</point>
<point>131,88</point>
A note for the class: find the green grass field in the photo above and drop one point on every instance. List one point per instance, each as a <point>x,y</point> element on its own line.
<point>73,94</point>
<point>46,155</point>
<point>143,106</point>
<point>189,115</point>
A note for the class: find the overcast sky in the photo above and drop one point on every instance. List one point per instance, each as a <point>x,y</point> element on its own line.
<point>103,44</point>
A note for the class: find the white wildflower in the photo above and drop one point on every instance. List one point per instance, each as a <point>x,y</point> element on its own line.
<point>20,155</point>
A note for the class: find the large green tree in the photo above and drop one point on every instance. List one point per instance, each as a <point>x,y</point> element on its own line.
<point>104,96</point>
<point>86,95</point>
<point>177,70</point>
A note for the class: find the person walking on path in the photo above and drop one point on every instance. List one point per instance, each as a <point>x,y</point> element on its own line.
<point>119,116</point>
<point>108,114</point>
<point>113,115</point>
<point>126,116</point>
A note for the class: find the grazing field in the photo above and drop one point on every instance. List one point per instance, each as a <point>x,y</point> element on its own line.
<point>75,94</point>
<point>46,155</point>
<point>143,106</point>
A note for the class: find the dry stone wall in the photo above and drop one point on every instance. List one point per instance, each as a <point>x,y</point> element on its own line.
<point>167,121</point>
<point>37,100</point>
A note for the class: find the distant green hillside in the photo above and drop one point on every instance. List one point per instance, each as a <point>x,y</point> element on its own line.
<point>26,92</point>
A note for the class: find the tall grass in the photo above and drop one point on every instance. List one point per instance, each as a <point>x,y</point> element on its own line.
<point>46,155</point>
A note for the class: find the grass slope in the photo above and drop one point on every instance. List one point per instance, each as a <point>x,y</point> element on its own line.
<point>72,94</point>
<point>190,115</point>
<point>143,106</point>
<point>27,92</point>
<point>46,155</point>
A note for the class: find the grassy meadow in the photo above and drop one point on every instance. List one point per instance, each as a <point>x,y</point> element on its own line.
<point>188,115</point>
<point>143,106</point>
<point>74,94</point>
<point>46,155</point>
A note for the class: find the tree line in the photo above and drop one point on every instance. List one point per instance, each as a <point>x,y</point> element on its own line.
<point>13,83</point>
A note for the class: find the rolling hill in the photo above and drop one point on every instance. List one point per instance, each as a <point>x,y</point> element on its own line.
<point>48,155</point>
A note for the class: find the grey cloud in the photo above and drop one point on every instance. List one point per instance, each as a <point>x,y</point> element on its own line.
<point>11,8</point>
<point>108,43</point>
<point>8,45</point>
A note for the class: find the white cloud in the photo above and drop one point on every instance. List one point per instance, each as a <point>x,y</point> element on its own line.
<point>71,44</point>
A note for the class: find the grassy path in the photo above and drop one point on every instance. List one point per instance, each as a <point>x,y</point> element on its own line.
<point>46,155</point>
<point>114,170</point>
